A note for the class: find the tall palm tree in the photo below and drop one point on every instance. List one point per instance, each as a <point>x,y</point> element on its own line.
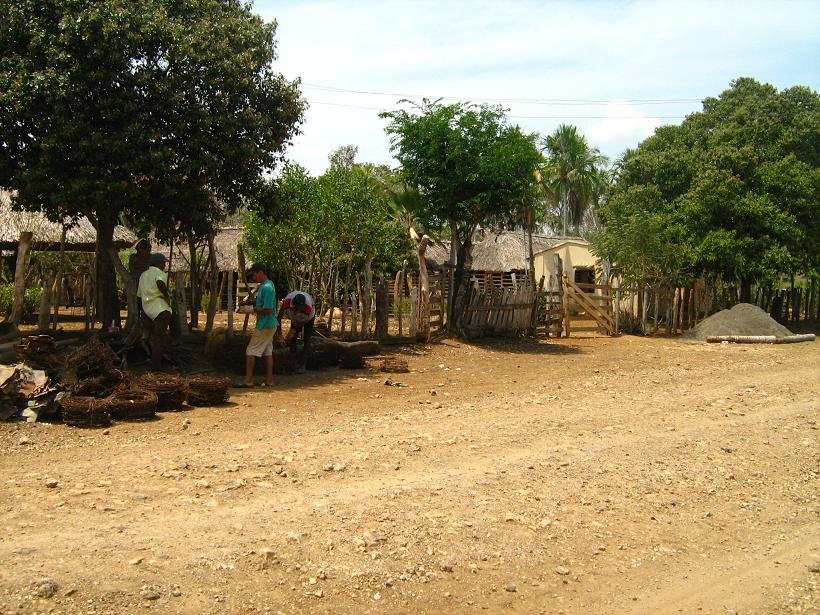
<point>572,175</point>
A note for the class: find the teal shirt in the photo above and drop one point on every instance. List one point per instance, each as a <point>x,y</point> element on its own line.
<point>266,298</point>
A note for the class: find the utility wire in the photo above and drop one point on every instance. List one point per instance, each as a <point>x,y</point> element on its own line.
<point>531,117</point>
<point>533,101</point>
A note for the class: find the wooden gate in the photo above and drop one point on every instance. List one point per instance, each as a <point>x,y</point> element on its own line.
<point>596,305</point>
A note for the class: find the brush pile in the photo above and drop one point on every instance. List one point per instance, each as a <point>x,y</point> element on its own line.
<point>38,352</point>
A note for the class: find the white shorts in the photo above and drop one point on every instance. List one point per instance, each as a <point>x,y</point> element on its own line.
<point>261,344</point>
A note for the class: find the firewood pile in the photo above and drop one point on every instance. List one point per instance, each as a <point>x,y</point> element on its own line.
<point>81,411</point>
<point>132,405</point>
<point>171,390</point>
<point>207,391</point>
<point>9,385</point>
<point>39,352</point>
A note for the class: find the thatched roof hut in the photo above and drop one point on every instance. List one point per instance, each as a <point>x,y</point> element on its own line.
<point>80,237</point>
<point>496,252</point>
<point>227,241</point>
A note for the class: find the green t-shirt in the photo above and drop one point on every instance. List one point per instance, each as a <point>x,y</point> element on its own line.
<point>266,298</point>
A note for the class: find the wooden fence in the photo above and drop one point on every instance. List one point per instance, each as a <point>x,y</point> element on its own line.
<point>500,312</point>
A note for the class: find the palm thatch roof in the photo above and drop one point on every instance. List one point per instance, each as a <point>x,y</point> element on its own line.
<point>80,237</point>
<point>227,242</point>
<point>497,251</point>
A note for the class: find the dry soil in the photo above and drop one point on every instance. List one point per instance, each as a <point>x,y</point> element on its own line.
<point>584,475</point>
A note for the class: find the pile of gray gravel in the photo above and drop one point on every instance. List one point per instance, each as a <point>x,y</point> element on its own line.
<point>742,319</point>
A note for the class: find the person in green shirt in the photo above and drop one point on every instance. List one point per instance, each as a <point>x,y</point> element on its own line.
<point>261,342</point>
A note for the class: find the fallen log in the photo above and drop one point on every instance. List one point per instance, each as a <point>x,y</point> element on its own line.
<point>228,353</point>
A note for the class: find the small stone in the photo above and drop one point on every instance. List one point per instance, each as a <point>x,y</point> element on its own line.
<point>24,441</point>
<point>176,593</point>
<point>52,483</point>
<point>373,538</point>
<point>446,567</point>
<point>150,594</point>
<point>814,568</point>
<point>562,570</point>
<point>70,592</point>
<point>339,467</point>
<point>46,588</point>
<point>105,432</point>
<point>510,587</point>
<point>136,561</point>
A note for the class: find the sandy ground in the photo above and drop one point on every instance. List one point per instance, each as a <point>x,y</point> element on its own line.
<point>588,475</point>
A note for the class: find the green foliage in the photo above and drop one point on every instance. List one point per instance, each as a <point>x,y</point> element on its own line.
<point>324,221</point>
<point>574,176</point>
<point>31,299</point>
<point>737,187</point>
<point>467,163</point>
<point>164,112</point>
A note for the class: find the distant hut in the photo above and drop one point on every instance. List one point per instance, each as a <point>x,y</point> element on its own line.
<point>501,259</point>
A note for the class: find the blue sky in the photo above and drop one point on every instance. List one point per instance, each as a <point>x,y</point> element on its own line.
<point>617,70</point>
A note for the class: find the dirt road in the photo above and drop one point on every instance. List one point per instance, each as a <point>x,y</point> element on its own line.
<point>589,475</point>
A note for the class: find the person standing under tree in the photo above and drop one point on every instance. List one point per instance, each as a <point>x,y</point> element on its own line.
<point>156,306</point>
<point>298,307</point>
<point>261,342</point>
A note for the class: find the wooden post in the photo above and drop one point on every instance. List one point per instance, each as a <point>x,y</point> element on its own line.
<point>334,283</point>
<point>414,311</point>
<point>645,309</point>
<point>398,294</point>
<point>181,301</point>
<point>87,301</point>
<point>368,289</point>
<point>355,304</point>
<point>424,290</point>
<point>231,302</point>
<point>20,277</point>
<point>213,300</point>
<point>617,307</point>
<point>45,303</point>
<point>564,280</point>
<point>58,283</point>
<point>382,308</point>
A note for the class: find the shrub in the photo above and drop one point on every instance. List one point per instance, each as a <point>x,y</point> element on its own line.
<point>31,300</point>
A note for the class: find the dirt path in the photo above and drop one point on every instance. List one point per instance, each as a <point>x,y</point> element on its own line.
<point>589,475</point>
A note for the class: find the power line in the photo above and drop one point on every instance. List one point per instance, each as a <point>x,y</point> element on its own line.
<point>534,101</point>
<point>531,117</point>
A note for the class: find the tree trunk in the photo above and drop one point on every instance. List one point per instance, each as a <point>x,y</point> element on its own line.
<point>213,299</point>
<point>58,283</point>
<point>382,308</point>
<point>20,278</point>
<point>424,291</point>
<point>454,249</point>
<point>195,294</point>
<point>368,289</point>
<point>461,286</point>
<point>746,290</point>
<point>45,303</point>
<point>106,299</point>
<point>530,255</point>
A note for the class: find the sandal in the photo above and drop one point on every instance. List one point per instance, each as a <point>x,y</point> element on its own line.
<point>265,385</point>
<point>243,385</point>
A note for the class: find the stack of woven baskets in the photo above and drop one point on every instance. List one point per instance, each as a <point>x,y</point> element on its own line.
<point>93,358</point>
<point>208,391</point>
<point>132,405</point>
<point>82,411</point>
<point>171,390</point>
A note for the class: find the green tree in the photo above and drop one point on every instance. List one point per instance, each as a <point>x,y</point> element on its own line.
<point>741,178</point>
<point>470,167</point>
<point>573,176</point>
<point>166,112</point>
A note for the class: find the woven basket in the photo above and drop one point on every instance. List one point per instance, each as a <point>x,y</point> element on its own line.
<point>101,386</point>
<point>80,411</point>
<point>93,358</point>
<point>132,405</point>
<point>208,391</point>
<point>171,390</point>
